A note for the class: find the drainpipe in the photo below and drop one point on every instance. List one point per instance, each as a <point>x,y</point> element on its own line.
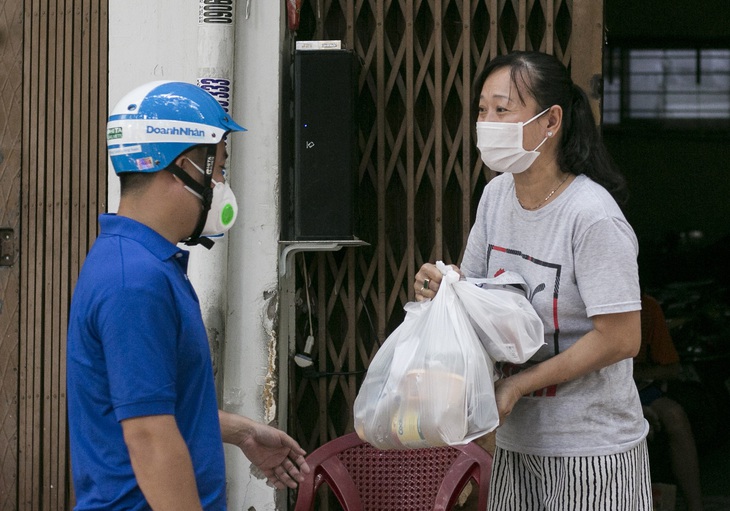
<point>216,37</point>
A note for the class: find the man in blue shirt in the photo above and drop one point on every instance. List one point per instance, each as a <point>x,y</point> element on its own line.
<point>145,429</point>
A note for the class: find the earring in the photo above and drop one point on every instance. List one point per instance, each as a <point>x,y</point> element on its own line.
<point>550,133</point>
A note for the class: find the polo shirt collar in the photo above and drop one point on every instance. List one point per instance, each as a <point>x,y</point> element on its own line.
<point>115,225</point>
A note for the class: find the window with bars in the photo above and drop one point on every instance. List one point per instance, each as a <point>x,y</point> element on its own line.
<point>674,85</point>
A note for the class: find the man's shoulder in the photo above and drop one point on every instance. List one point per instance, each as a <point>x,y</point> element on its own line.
<point>117,261</point>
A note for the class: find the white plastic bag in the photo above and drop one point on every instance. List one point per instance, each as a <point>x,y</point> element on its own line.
<point>502,316</point>
<point>431,382</point>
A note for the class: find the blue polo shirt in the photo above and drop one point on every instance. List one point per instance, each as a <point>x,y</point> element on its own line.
<point>137,346</point>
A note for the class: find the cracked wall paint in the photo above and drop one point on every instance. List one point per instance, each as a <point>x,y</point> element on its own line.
<point>215,340</point>
<point>270,384</point>
<point>213,318</point>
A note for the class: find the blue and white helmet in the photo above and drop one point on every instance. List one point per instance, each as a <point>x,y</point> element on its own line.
<point>156,122</point>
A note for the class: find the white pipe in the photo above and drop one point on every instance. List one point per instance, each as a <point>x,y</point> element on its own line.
<point>215,66</point>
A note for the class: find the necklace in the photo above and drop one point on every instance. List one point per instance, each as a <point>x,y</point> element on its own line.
<point>542,203</point>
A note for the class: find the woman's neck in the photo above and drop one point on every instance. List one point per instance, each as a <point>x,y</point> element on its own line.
<point>537,187</point>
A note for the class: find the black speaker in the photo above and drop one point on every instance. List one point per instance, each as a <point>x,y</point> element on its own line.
<point>322,202</point>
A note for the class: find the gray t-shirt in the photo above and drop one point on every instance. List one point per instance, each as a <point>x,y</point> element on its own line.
<point>578,255</point>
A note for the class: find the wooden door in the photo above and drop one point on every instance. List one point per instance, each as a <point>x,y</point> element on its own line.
<point>11,100</point>
<point>52,187</point>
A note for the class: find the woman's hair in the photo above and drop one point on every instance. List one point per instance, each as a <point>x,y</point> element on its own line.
<point>547,81</point>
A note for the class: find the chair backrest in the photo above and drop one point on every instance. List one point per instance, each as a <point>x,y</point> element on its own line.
<point>364,478</point>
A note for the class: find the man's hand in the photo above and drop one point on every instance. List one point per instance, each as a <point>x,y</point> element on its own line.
<point>272,451</point>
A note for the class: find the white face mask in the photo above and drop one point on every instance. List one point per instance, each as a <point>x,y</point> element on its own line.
<point>223,208</point>
<point>500,144</point>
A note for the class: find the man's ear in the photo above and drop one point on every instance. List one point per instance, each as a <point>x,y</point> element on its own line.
<point>195,154</point>
<point>180,160</point>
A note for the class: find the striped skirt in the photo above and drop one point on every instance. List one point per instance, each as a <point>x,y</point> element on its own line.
<point>616,482</point>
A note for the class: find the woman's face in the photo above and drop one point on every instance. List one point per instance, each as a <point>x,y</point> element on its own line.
<point>499,102</point>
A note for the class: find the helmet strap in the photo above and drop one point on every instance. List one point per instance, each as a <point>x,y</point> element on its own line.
<point>204,191</point>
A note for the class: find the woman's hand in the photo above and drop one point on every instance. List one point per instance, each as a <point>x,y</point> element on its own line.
<point>506,394</point>
<point>427,281</point>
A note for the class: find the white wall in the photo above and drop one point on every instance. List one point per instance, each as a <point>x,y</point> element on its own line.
<point>251,347</point>
<point>236,281</point>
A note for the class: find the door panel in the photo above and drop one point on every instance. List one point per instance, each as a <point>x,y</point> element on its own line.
<point>11,96</point>
<point>53,186</point>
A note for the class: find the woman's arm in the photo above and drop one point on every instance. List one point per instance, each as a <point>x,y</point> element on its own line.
<point>614,337</point>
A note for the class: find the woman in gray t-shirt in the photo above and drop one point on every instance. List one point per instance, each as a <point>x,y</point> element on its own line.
<point>572,433</point>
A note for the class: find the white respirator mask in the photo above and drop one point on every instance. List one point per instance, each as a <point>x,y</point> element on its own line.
<point>223,210</point>
<point>223,207</point>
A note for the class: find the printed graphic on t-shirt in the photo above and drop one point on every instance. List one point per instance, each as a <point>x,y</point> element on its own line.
<point>549,277</point>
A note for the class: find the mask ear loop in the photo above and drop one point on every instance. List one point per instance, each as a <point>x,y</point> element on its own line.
<point>544,139</point>
<point>204,192</point>
<point>538,115</point>
<point>540,144</point>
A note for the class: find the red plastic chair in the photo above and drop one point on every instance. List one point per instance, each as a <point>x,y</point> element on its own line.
<point>364,478</point>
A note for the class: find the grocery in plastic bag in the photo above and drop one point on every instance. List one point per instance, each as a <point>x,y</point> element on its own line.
<point>502,316</point>
<point>431,382</point>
